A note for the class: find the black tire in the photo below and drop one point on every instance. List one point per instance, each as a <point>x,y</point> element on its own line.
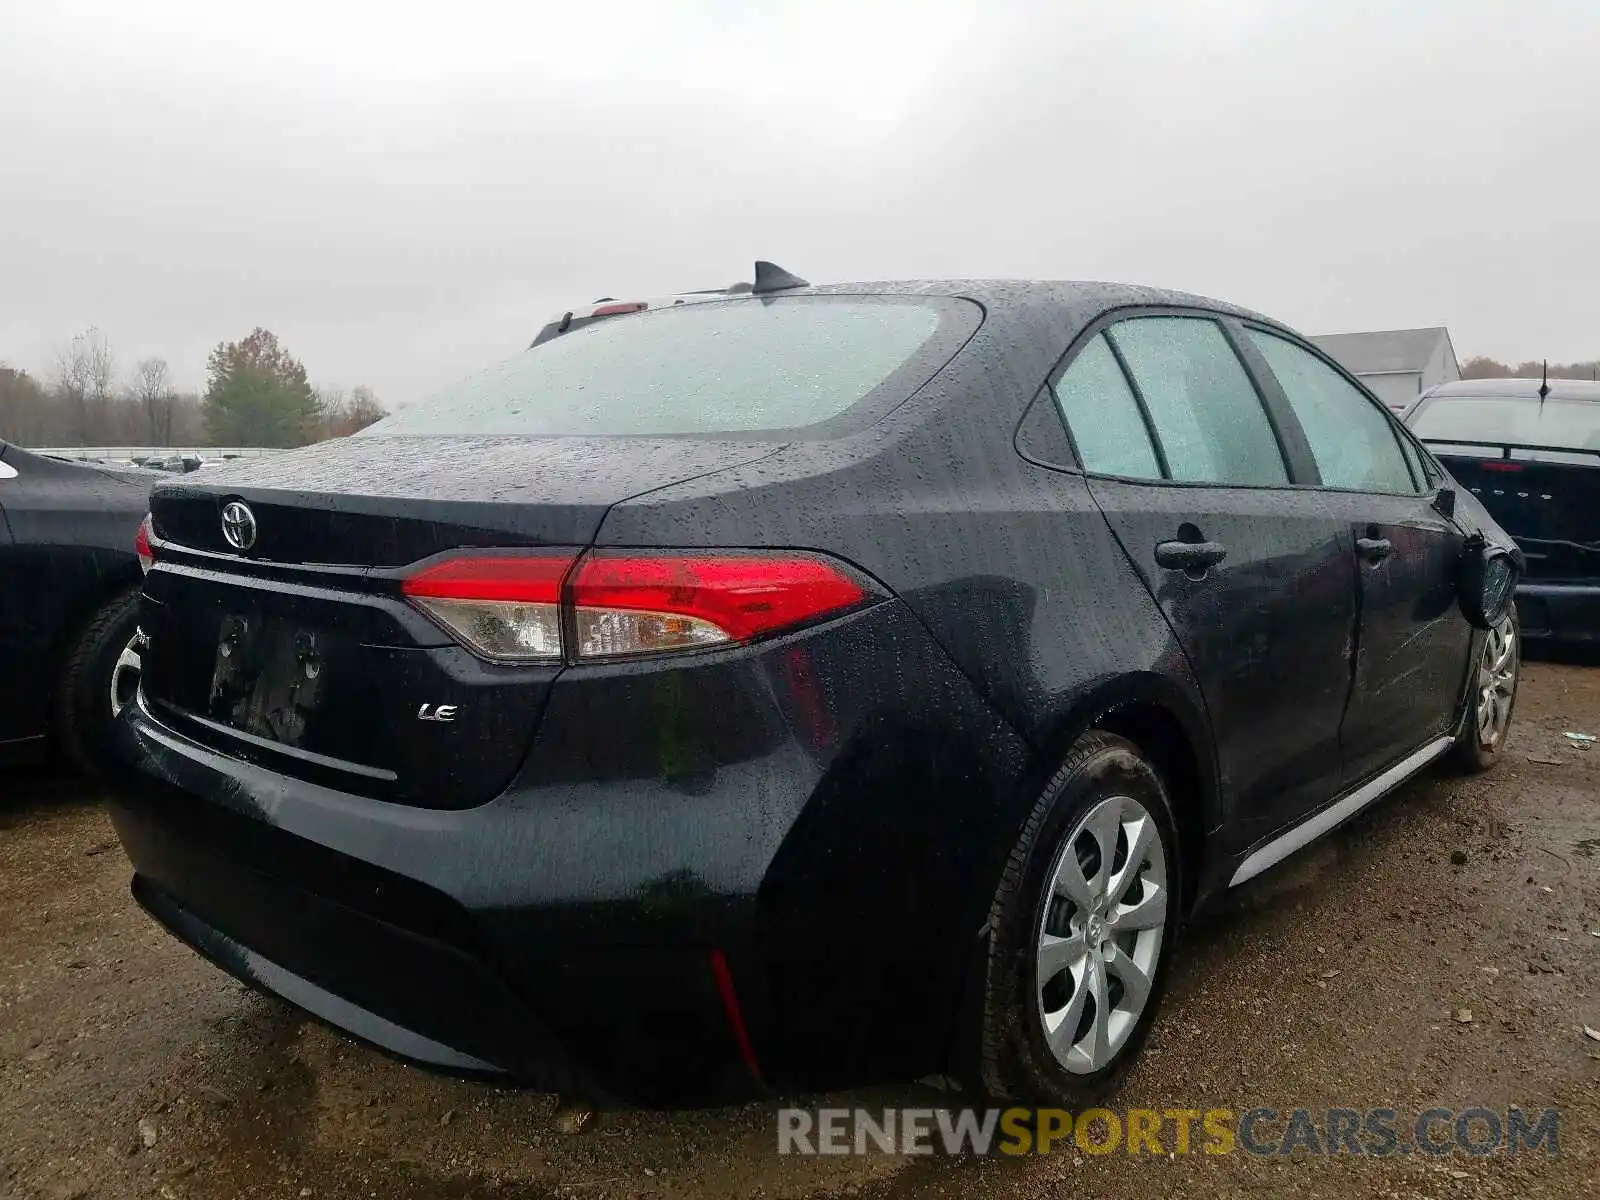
<point>1017,1064</point>
<point>1471,754</point>
<point>83,711</point>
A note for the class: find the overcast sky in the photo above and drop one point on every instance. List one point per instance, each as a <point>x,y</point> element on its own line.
<point>404,191</point>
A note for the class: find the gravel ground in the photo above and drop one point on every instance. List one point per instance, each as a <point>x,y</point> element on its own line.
<point>129,1068</point>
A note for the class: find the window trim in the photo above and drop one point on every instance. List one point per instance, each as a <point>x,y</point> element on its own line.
<point>1414,461</point>
<point>1421,487</point>
<point>1163,464</point>
<point>1302,467</point>
<point>1298,464</point>
<point>1291,434</point>
<point>1048,395</point>
<point>1435,477</point>
<point>1026,446</point>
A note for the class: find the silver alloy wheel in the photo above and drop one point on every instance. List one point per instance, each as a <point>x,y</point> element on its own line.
<point>1100,939</point>
<point>125,675</point>
<point>1497,683</point>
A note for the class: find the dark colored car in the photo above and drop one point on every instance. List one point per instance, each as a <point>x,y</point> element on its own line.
<point>69,585</point>
<point>1533,460</point>
<point>177,464</point>
<point>800,688</point>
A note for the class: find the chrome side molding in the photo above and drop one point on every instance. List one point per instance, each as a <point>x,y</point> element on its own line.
<point>1319,823</point>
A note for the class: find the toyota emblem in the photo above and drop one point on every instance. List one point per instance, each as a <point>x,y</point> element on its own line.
<point>238,525</point>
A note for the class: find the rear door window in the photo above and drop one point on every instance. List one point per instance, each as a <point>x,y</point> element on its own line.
<point>1210,421</point>
<point>1352,438</point>
<point>1103,414</point>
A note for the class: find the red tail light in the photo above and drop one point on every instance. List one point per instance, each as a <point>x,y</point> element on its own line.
<point>141,545</point>
<point>1499,464</point>
<point>630,603</point>
<point>621,603</point>
<point>515,579</point>
<point>504,607</point>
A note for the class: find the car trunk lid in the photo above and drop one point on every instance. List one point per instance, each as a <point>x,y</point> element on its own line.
<point>301,653</point>
<point>1545,499</point>
<point>385,502</point>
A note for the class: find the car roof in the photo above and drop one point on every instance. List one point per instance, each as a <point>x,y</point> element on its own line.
<point>1071,292</point>
<point>1511,389</point>
<point>1067,304</point>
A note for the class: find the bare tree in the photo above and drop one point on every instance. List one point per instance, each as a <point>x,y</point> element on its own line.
<point>363,409</point>
<point>1533,368</point>
<point>84,371</point>
<point>25,409</point>
<point>102,369</point>
<point>331,403</point>
<point>187,424</point>
<point>72,388</point>
<point>342,413</point>
<point>154,393</point>
<point>1481,367</point>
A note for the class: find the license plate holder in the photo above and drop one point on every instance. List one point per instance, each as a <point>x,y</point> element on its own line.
<point>269,677</point>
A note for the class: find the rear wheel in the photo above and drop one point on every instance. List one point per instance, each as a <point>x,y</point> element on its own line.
<point>1081,928</point>
<point>1493,696</point>
<point>100,675</point>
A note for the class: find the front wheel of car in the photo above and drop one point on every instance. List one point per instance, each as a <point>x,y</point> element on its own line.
<point>1493,696</point>
<point>1081,929</point>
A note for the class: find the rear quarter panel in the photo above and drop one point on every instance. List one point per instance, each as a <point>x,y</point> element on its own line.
<point>1009,565</point>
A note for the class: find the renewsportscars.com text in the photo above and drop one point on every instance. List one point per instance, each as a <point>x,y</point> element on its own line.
<point>1372,1132</point>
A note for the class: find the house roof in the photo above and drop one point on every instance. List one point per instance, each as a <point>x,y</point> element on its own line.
<point>1384,351</point>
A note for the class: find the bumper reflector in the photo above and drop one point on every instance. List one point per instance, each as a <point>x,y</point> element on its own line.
<point>730,1008</point>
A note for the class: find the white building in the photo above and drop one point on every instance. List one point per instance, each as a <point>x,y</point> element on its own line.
<point>1397,365</point>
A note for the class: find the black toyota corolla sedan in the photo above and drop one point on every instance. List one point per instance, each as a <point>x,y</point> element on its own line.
<point>799,686</point>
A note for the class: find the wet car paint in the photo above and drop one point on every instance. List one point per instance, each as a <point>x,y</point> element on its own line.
<point>66,546</point>
<point>829,810</point>
<point>387,502</point>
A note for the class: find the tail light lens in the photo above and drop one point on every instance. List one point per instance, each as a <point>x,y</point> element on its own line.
<point>502,607</point>
<point>511,607</point>
<point>631,603</point>
<point>141,545</point>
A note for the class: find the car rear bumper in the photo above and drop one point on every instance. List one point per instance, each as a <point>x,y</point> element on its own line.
<point>779,887</point>
<point>1562,612</point>
<point>416,972</point>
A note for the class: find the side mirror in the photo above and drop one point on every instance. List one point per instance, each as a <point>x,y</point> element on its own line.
<point>1444,501</point>
<point>1487,583</point>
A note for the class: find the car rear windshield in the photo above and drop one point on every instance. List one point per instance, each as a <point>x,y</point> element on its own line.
<point>1509,420</point>
<point>726,367</point>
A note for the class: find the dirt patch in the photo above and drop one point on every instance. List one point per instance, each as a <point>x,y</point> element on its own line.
<point>129,1068</point>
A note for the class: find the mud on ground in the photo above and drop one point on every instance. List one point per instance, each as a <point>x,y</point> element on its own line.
<point>130,1068</point>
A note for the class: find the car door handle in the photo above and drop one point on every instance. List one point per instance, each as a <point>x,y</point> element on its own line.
<point>1373,549</point>
<point>1189,556</point>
